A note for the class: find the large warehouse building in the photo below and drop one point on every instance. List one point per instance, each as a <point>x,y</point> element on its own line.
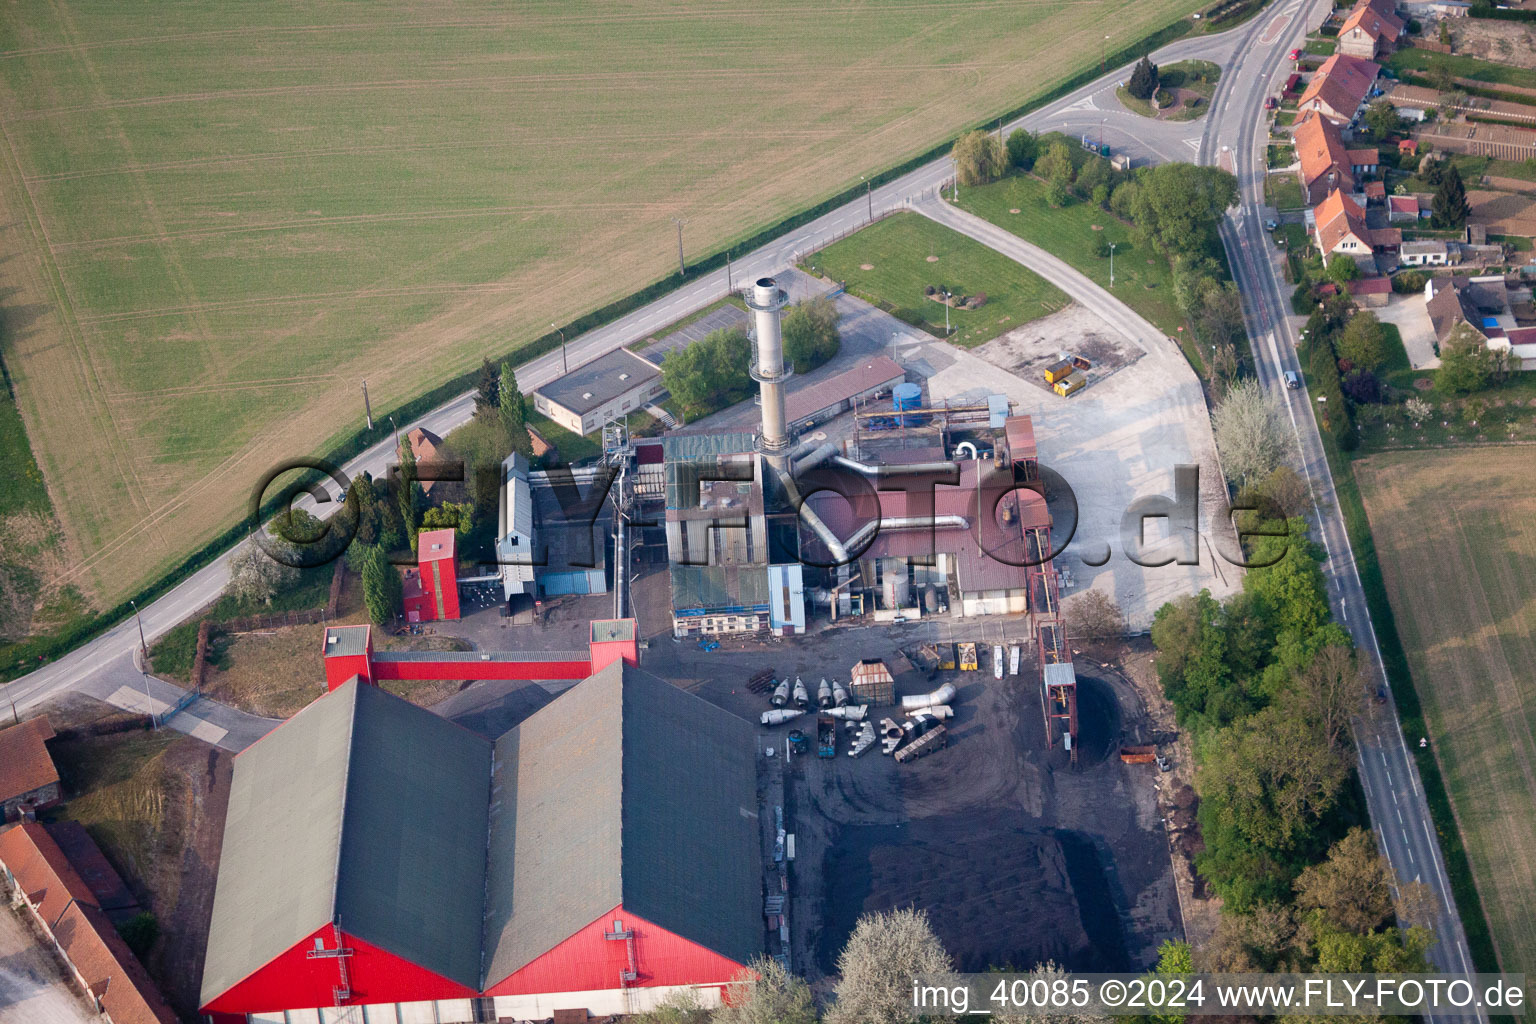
<point>382,864</point>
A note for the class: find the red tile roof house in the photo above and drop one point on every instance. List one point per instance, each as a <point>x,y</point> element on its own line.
<point>426,446</point>
<point>1341,228</point>
<point>1324,160</point>
<point>1371,29</point>
<point>28,780</point>
<point>32,864</point>
<point>1339,88</point>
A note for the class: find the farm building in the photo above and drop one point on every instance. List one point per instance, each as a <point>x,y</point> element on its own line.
<point>67,909</point>
<point>28,780</point>
<point>600,856</point>
<point>432,591</point>
<point>600,392</point>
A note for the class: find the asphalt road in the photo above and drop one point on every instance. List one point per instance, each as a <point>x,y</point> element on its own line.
<point>1252,56</point>
<point>1237,139</point>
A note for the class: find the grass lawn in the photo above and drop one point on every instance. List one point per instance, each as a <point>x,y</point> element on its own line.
<point>1525,170</point>
<point>1143,279</point>
<point>1198,76</point>
<point>906,253</point>
<point>221,217</point>
<point>1285,118</point>
<point>1279,156</point>
<point>1322,46</point>
<point>1295,235</point>
<point>1283,192</point>
<point>1461,66</point>
<point>573,448</point>
<point>1457,563</point>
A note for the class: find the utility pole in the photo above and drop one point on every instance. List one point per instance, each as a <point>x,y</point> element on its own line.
<point>681,268</point>
<point>868,198</point>
<point>10,693</point>
<point>367,409</point>
<point>564,369</point>
<point>149,704</point>
<point>946,313</point>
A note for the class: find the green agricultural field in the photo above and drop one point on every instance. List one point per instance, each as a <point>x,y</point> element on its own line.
<point>891,263</point>
<point>1143,279</point>
<point>219,218</point>
<point>1456,538</point>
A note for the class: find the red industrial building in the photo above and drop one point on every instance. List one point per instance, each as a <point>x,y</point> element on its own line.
<point>348,652</point>
<point>432,591</point>
<point>602,855</point>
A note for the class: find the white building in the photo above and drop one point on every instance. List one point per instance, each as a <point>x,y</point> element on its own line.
<point>600,392</point>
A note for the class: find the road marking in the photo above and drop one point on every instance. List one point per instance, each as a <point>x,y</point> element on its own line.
<point>206,731</point>
<point>129,699</point>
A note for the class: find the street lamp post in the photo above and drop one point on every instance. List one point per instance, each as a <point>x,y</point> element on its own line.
<point>869,199</point>
<point>149,704</point>
<point>563,368</point>
<point>945,293</point>
<point>1112,264</point>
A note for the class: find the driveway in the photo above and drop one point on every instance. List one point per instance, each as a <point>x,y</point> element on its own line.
<point>32,989</point>
<point>1412,320</point>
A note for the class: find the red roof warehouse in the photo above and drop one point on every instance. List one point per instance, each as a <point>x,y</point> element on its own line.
<point>602,855</point>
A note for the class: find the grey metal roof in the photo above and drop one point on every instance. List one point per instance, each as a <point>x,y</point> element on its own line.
<point>344,640</point>
<point>624,790</point>
<point>595,384</point>
<point>711,587</point>
<point>362,809</point>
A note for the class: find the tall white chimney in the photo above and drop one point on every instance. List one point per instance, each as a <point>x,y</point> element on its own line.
<point>766,300</point>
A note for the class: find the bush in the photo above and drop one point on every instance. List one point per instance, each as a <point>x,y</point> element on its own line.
<point>930,291</point>
<point>1301,299</point>
<point>978,300</point>
<point>1101,248</point>
<point>140,933</point>
<point>1165,99</point>
<point>1410,282</point>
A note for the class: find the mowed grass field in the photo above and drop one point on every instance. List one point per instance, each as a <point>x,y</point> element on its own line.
<point>217,219</point>
<point>1455,533</point>
<point>907,253</point>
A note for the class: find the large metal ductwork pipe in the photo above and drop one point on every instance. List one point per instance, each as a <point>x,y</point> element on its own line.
<point>916,702</point>
<point>766,300</point>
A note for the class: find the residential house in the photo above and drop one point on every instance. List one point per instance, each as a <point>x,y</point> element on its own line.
<point>1482,303</point>
<point>1340,225</point>
<point>1375,192</point>
<point>1325,162</point>
<point>1521,344</point>
<point>28,780</point>
<point>427,448</point>
<point>1370,30</point>
<point>1340,88</point>
<point>1428,252</point>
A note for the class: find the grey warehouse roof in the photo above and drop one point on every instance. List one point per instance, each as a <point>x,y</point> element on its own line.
<point>595,384</point>
<point>339,815</point>
<point>370,811</point>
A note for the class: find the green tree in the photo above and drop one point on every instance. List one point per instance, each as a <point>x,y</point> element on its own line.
<point>1382,119</point>
<point>1466,365</point>
<point>1057,193</point>
<point>382,589</point>
<point>1023,148</point>
<point>1450,205</point>
<point>1056,164</point>
<point>1342,270</point>
<point>1179,207</point>
<point>487,388</point>
<point>140,932</point>
<point>1143,82</point>
<point>409,495</point>
<point>1095,173</point>
<point>458,516</point>
<point>1362,342</point>
<point>1252,433</point>
<point>979,158</point>
<point>514,412</point>
<point>810,333</point>
<point>1352,888</point>
<point>710,373</point>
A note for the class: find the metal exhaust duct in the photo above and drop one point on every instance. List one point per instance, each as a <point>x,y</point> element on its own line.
<point>916,702</point>
<point>765,302</point>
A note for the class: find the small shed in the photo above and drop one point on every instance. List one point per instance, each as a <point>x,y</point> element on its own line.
<point>1058,370</point>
